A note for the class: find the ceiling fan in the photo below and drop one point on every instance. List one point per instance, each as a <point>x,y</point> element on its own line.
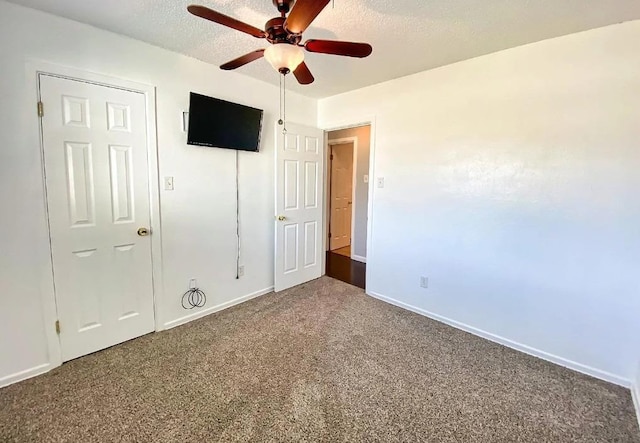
<point>285,35</point>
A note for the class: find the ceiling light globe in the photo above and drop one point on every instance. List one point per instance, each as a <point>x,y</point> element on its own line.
<point>284,56</point>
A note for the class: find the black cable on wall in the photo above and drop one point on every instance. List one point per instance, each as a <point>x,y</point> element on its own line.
<point>194,297</point>
<point>237,215</point>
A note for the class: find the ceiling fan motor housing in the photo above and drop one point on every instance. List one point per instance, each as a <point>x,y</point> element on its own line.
<point>284,6</point>
<point>276,33</point>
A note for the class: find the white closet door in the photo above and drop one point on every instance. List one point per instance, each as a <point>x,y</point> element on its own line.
<point>97,180</point>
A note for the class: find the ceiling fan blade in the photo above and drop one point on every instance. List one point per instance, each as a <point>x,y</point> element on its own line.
<point>241,61</point>
<point>302,14</point>
<point>303,75</point>
<point>335,47</point>
<point>225,20</point>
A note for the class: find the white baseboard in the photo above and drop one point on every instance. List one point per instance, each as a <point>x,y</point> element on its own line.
<point>359,258</point>
<point>212,309</point>
<point>46,367</point>
<point>23,375</point>
<point>635,395</point>
<point>597,373</point>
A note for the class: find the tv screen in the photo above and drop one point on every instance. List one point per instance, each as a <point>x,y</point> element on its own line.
<point>221,124</point>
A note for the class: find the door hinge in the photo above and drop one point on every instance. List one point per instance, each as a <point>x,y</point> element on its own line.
<point>40,109</point>
<point>57,326</point>
<point>329,234</point>
<point>331,157</point>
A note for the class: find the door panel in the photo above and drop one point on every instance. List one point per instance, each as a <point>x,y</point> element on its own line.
<point>290,248</point>
<point>311,185</point>
<point>95,154</point>
<point>291,185</point>
<point>80,190</point>
<point>299,162</point>
<point>311,243</point>
<point>341,195</point>
<point>121,171</point>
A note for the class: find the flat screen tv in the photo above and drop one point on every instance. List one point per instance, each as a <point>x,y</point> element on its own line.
<point>221,124</point>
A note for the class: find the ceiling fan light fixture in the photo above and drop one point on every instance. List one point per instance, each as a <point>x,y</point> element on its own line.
<point>284,57</point>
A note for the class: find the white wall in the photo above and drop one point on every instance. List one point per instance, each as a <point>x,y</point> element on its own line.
<point>512,183</point>
<point>198,218</point>
<point>361,201</point>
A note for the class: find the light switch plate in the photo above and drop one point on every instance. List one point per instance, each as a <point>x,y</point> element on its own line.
<point>381,182</point>
<point>168,183</point>
<point>366,178</point>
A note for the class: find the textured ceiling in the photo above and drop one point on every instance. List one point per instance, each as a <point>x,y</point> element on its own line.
<point>408,36</point>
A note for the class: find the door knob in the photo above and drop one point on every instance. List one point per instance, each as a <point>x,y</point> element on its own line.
<point>143,232</point>
<point>282,218</point>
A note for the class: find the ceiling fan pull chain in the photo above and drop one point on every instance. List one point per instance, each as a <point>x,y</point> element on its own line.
<point>280,98</point>
<point>280,121</point>
<point>284,104</point>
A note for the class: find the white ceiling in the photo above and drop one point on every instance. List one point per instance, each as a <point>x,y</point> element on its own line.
<point>407,36</point>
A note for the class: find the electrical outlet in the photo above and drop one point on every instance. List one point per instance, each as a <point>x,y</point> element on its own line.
<point>168,183</point>
<point>424,282</point>
<point>381,182</point>
<point>240,270</point>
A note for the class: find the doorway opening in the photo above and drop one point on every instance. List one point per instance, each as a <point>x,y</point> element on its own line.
<point>347,203</point>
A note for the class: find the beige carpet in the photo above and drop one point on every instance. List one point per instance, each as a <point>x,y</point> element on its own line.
<point>320,362</point>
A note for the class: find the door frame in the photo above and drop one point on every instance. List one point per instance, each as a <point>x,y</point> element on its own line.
<point>354,180</point>
<point>367,120</point>
<point>34,69</point>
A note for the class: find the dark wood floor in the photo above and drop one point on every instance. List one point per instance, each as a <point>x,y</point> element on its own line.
<point>345,269</point>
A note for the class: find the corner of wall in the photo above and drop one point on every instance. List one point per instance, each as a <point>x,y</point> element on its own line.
<point>635,393</point>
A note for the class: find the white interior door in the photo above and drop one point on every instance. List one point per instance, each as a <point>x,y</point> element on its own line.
<point>95,153</point>
<point>341,195</point>
<point>299,185</point>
